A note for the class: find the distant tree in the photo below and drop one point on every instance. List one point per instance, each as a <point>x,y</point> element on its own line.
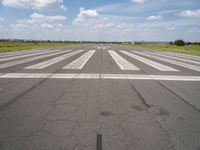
<point>179,43</point>
<point>188,43</point>
<point>196,43</point>
<point>171,43</point>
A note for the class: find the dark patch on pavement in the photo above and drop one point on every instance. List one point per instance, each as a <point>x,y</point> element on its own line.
<point>138,108</point>
<point>105,113</point>
<point>162,112</point>
<point>99,142</point>
<point>180,118</point>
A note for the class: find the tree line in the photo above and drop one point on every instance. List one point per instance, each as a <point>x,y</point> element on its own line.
<point>177,42</point>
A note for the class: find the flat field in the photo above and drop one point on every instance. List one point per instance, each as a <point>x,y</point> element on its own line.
<point>187,49</point>
<point>17,46</point>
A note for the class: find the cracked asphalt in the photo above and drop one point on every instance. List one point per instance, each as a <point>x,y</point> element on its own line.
<point>60,114</point>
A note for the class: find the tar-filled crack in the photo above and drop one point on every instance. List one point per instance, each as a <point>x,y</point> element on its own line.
<point>123,137</point>
<point>75,133</point>
<point>123,140</point>
<point>138,93</point>
<point>19,96</point>
<point>140,96</point>
<point>152,114</point>
<point>179,97</point>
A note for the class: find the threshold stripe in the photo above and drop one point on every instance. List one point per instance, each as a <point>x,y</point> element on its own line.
<point>121,62</point>
<point>52,61</point>
<point>27,55</point>
<point>174,62</point>
<point>22,61</point>
<point>175,57</point>
<point>182,55</point>
<point>151,63</point>
<point>10,54</point>
<point>80,62</point>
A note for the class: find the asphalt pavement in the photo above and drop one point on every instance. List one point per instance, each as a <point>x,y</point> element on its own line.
<point>99,97</point>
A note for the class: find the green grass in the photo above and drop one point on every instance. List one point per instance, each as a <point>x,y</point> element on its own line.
<point>187,49</point>
<point>18,46</point>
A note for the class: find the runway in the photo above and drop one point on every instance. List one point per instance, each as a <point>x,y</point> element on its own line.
<point>132,98</point>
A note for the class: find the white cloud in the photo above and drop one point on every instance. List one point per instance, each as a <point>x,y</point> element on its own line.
<point>103,25</point>
<point>193,30</point>
<point>1,19</point>
<point>19,25</point>
<point>40,21</point>
<point>34,4</point>
<point>156,18</point>
<point>93,20</point>
<point>63,7</point>
<point>190,13</point>
<point>85,16</point>
<point>171,28</point>
<point>138,1</point>
<point>1,24</point>
<point>40,18</point>
<point>17,3</point>
<point>122,27</point>
<point>46,25</point>
<point>39,26</point>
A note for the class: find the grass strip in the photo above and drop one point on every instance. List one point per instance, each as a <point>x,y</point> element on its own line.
<point>18,46</point>
<point>187,49</point>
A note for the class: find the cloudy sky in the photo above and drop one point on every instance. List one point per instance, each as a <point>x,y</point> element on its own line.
<point>107,20</point>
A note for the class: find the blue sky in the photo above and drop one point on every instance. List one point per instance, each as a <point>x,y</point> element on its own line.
<point>101,20</point>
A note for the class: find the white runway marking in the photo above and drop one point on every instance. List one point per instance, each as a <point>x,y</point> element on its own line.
<point>150,62</point>
<point>27,55</point>
<point>98,76</point>
<point>177,63</point>
<point>182,55</point>
<point>121,62</point>
<point>53,60</point>
<point>17,62</point>
<point>176,58</point>
<point>80,62</point>
<point>10,54</point>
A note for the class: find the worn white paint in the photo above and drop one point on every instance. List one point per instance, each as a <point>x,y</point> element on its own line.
<point>99,76</point>
<point>151,63</point>
<point>52,61</point>
<point>121,62</point>
<point>80,62</point>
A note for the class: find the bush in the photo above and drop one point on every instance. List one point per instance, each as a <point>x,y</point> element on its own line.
<point>179,43</point>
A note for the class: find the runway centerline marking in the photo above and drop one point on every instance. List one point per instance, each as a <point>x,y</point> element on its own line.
<point>52,61</point>
<point>121,62</point>
<point>80,62</point>
<point>98,76</point>
<point>151,63</point>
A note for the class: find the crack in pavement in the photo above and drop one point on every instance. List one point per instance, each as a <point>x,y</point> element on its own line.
<point>178,96</point>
